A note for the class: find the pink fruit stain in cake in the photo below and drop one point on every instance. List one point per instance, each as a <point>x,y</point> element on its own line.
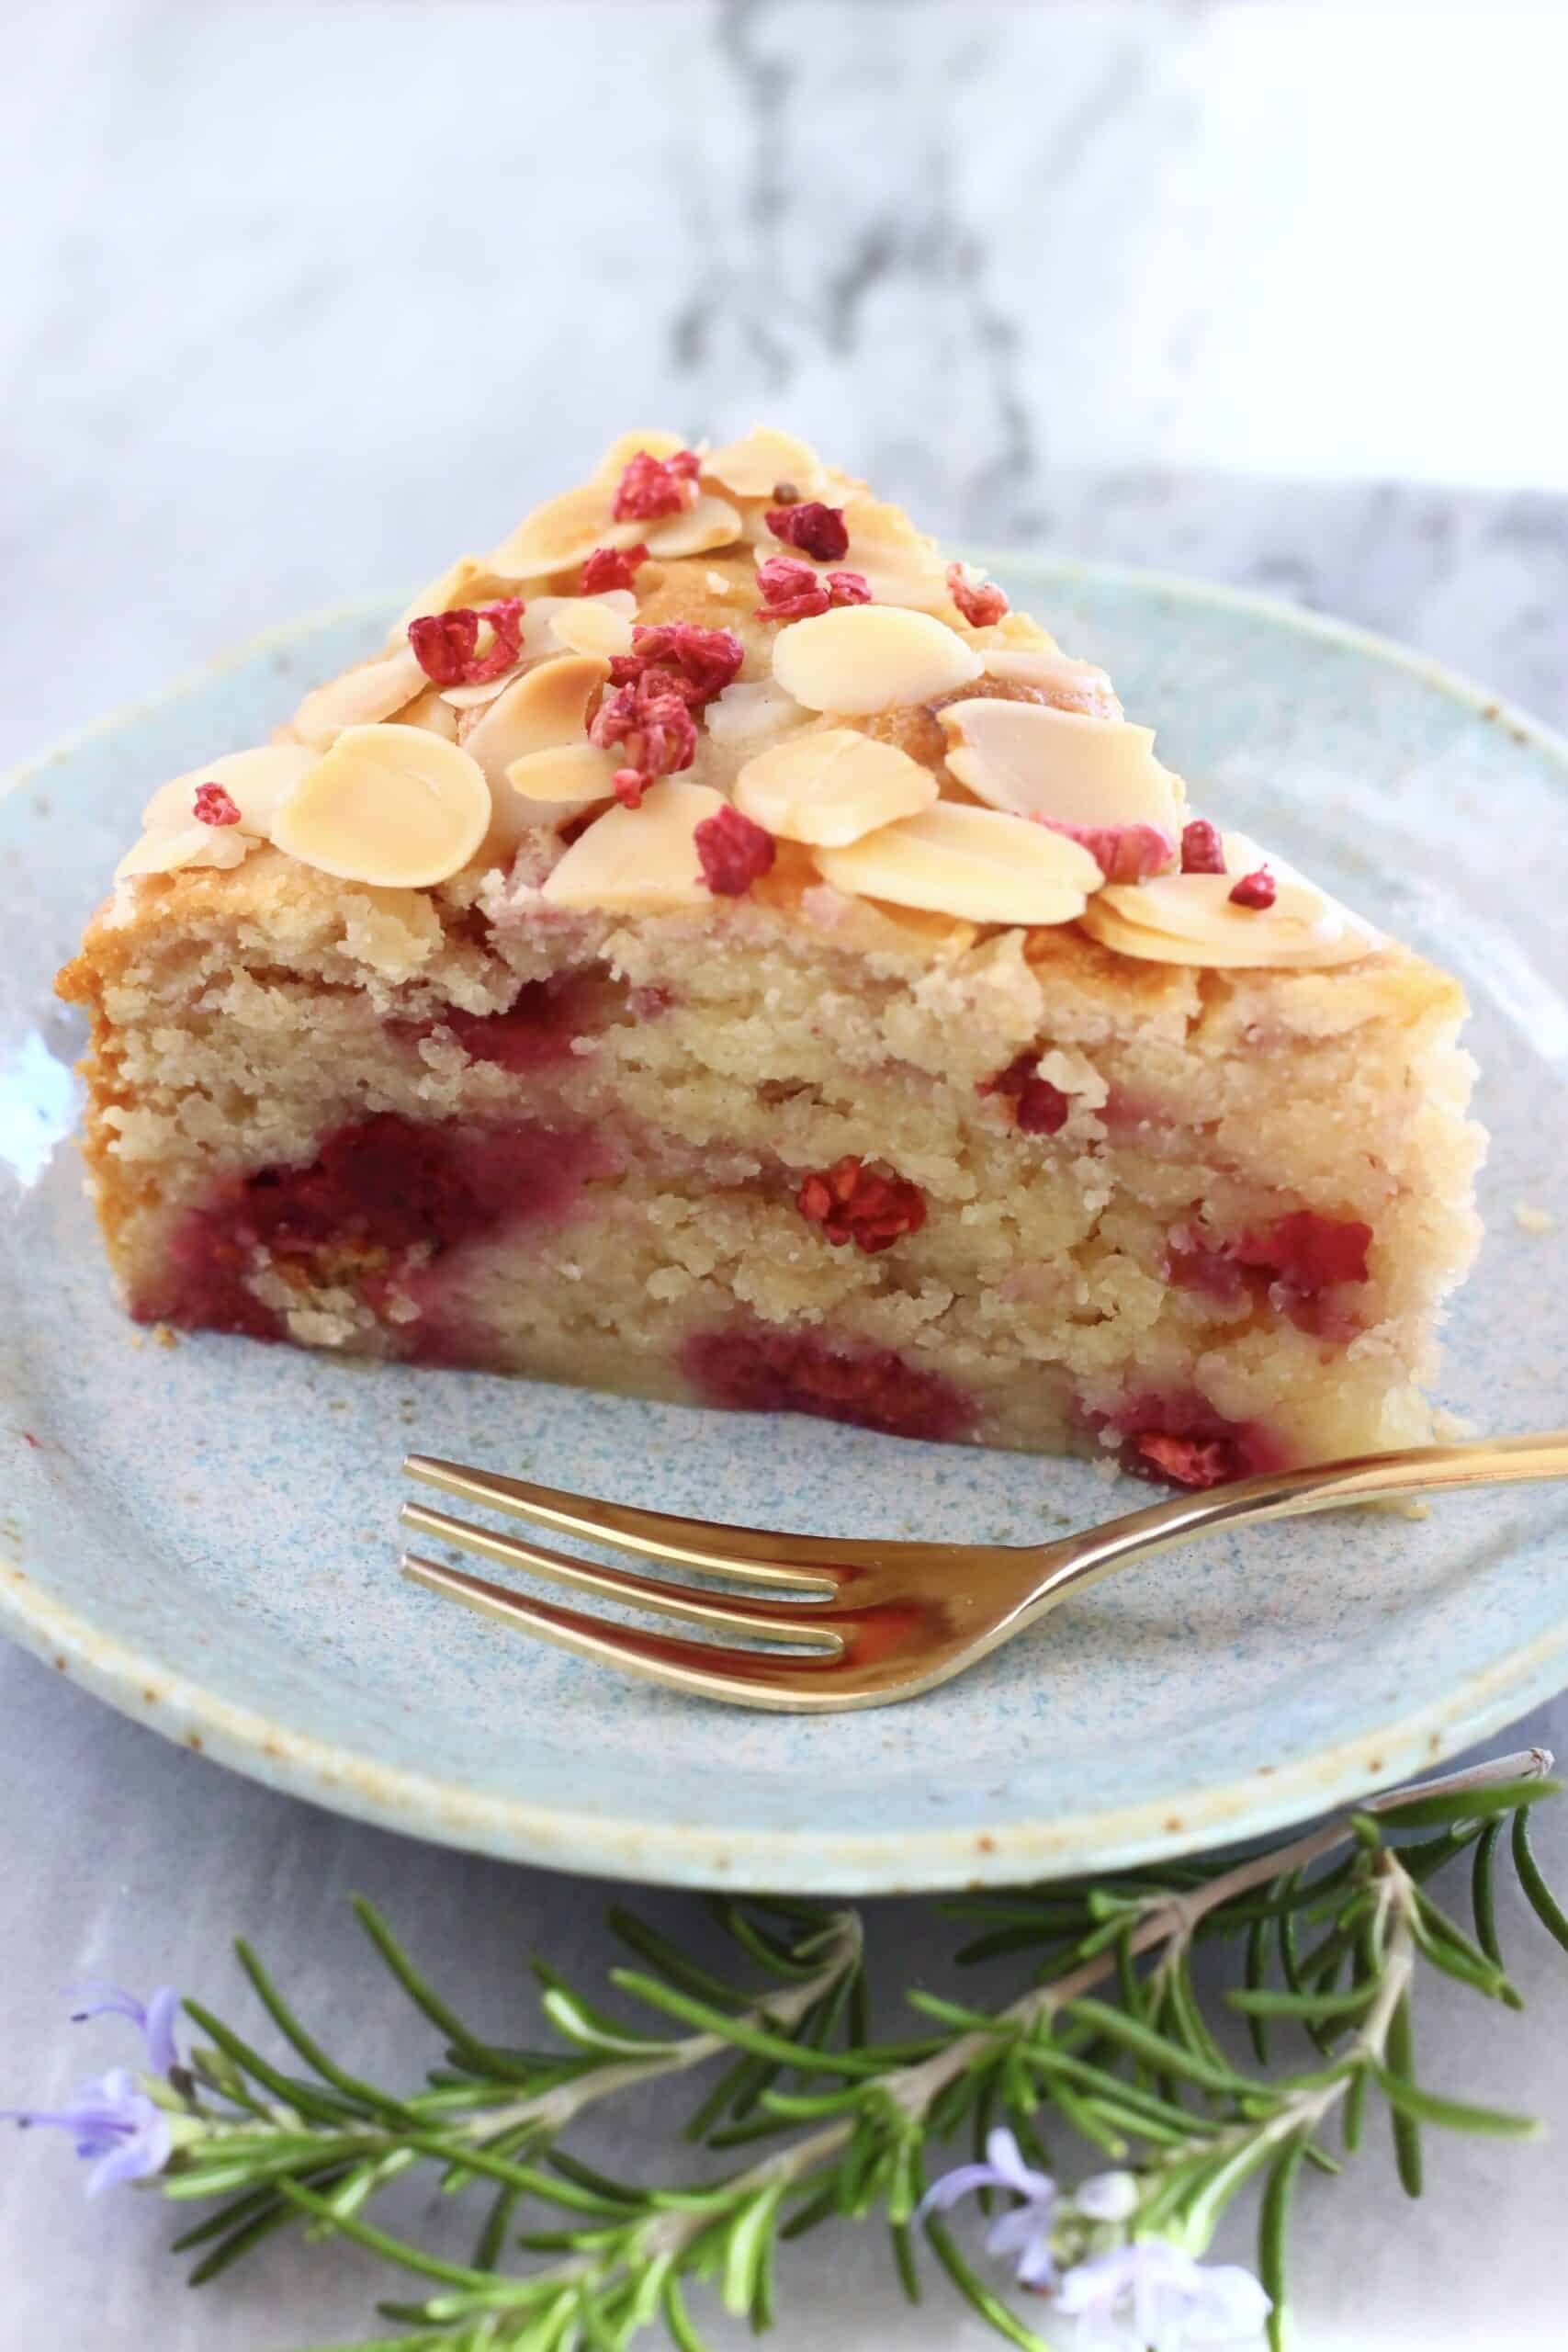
<point>852,1203</point>
<point>816,530</point>
<point>536,1030</point>
<point>982,605</point>
<point>609,567</point>
<point>651,486</point>
<point>373,1191</point>
<point>1038,1108</point>
<point>1182,1440</point>
<point>1292,1261</point>
<point>732,851</point>
<point>212,806</point>
<point>1193,1262</point>
<point>757,1371</point>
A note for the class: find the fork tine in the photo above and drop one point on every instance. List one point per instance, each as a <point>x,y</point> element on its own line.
<point>809,1563</point>
<point>749,1678</point>
<point>774,1620</point>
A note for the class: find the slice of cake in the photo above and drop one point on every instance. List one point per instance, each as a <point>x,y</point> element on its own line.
<point>717,951</point>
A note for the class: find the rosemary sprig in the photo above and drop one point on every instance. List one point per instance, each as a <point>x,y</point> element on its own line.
<point>1109,2043</point>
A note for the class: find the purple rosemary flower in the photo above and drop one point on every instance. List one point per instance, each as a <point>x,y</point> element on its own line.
<point>113,2122</point>
<point>155,2018</point>
<point>1151,2294</point>
<point>1023,2234</point>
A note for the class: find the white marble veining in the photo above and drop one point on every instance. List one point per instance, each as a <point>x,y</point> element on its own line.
<point>298,297</point>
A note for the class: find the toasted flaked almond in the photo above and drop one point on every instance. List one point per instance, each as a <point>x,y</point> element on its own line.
<point>168,852</point>
<point>696,530</point>
<point>869,657</point>
<point>595,624</point>
<point>978,863</point>
<point>1060,765</point>
<point>1191,917</point>
<point>469,581</point>
<point>546,706</point>
<point>754,710</point>
<point>757,466</point>
<point>831,787</point>
<point>430,710</point>
<point>563,532</point>
<point>1072,685</point>
<point>387,804</point>
<point>359,697</point>
<point>255,782</point>
<point>626,445</point>
<point>567,776</point>
<point>639,860</point>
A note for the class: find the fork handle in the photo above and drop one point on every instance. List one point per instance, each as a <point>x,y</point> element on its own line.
<point>1291,1494</point>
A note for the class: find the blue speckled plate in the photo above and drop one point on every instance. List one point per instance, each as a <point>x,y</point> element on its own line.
<point>205,1537</point>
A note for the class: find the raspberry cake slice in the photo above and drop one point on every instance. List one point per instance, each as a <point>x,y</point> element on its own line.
<point>717,951</point>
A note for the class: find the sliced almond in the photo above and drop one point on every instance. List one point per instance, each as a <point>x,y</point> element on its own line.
<point>639,860</point>
<point>567,775</point>
<point>195,845</point>
<point>869,657</point>
<point>831,787</point>
<point>430,710</point>
<point>359,697</point>
<point>594,625</point>
<point>387,805</point>
<point>1191,919</point>
<point>562,533</point>
<point>696,530</point>
<point>977,864</point>
<point>547,705</point>
<point>1060,765</point>
<point>255,782</point>
<point>753,710</point>
<point>1072,685</point>
<point>755,466</point>
<point>628,446</point>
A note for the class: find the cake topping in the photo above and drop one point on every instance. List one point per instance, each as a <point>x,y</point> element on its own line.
<point>359,697</point>
<point>613,568</point>
<point>695,663</point>
<point>177,846</point>
<point>812,527</point>
<point>543,711</point>
<point>387,804</point>
<point>213,805</point>
<point>252,782</point>
<point>976,863</point>
<point>831,787</point>
<point>1194,919</point>
<point>591,625</point>
<point>734,851</point>
<point>563,534</point>
<point>1258,889</point>
<point>1069,685</point>
<point>641,861</point>
<point>650,486</point>
<point>751,710</point>
<point>793,592</point>
<point>1202,851</point>
<point>711,523</point>
<point>652,721</point>
<point>446,645</point>
<point>568,774</point>
<point>766,463</point>
<point>981,603</point>
<point>1064,767</point>
<point>852,1203</point>
<point>869,657</point>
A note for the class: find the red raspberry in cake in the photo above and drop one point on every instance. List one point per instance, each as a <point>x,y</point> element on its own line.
<point>852,1203</point>
<point>1309,1251</point>
<point>213,805</point>
<point>609,567</point>
<point>816,530</point>
<point>793,591</point>
<point>733,852</point>
<point>982,605</point>
<point>695,663</point>
<point>652,486</point>
<point>1257,890</point>
<point>1038,1108</point>
<point>1202,851</point>
<point>760,1371</point>
<point>446,644</point>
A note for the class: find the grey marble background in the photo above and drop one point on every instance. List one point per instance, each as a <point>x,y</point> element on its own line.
<point>295,299</point>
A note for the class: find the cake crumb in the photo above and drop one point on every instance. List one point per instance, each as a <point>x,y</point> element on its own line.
<point>1530,1219</point>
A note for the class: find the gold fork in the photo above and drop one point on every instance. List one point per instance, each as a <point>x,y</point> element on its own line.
<point>869,1623</point>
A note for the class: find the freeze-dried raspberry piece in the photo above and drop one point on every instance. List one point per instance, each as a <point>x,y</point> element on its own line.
<point>851,1202</point>
<point>1202,852</point>
<point>1123,852</point>
<point>609,567</point>
<point>651,486</point>
<point>793,592</point>
<point>446,644</point>
<point>982,606</point>
<point>651,722</point>
<point>1038,1107</point>
<point>694,664</point>
<point>1257,890</point>
<point>812,527</point>
<point>734,852</point>
<point>213,805</point>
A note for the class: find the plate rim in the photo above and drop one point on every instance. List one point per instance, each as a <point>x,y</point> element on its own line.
<point>798,1860</point>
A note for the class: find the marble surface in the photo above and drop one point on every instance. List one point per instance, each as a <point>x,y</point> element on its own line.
<point>300,297</point>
